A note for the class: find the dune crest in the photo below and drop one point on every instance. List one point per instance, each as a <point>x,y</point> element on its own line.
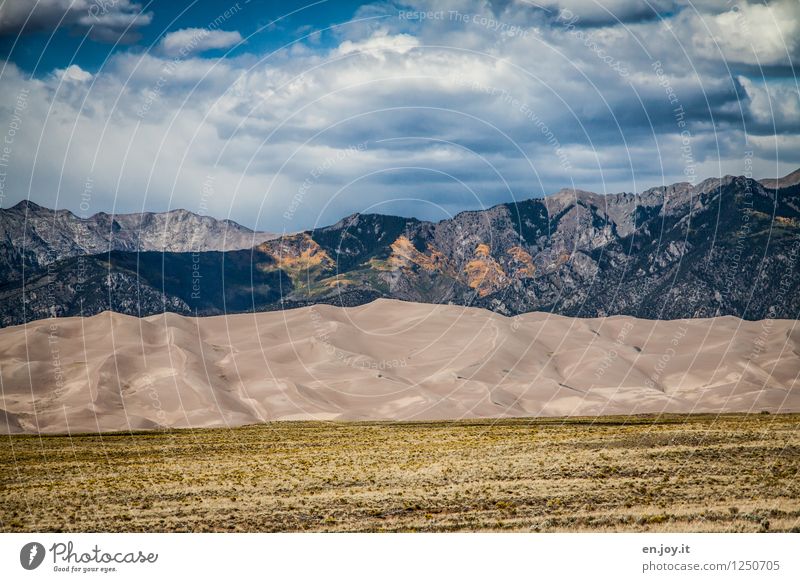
<point>385,360</point>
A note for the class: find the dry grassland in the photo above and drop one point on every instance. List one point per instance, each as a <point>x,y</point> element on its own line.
<point>673,473</point>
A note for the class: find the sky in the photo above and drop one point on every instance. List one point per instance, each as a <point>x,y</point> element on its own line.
<point>285,116</point>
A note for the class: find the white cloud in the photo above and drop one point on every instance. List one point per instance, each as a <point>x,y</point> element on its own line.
<point>73,73</point>
<point>755,34</point>
<point>190,41</point>
<point>773,104</point>
<point>379,43</point>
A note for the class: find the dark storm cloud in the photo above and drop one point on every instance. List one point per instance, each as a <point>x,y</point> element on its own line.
<point>590,14</point>
<point>103,20</point>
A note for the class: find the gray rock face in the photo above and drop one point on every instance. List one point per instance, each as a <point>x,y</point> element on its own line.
<point>33,236</point>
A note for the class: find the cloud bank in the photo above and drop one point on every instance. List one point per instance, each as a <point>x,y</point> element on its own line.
<point>423,109</point>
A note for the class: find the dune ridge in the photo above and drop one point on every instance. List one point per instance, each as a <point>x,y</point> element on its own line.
<point>387,360</point>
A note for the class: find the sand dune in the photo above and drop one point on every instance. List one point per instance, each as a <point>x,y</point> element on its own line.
<point>386,360</point>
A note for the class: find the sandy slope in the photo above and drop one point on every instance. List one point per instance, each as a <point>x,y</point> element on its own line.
<point>385,360</point>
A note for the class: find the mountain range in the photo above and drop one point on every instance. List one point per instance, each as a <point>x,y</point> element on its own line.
<point>725,246</point>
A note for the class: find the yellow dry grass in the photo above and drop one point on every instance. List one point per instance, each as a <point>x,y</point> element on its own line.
<point>673,473</point>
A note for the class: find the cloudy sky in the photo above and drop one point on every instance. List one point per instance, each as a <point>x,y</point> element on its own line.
<point>287,115</point>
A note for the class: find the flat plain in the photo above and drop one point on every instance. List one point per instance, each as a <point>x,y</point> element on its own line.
<point>717,473</point>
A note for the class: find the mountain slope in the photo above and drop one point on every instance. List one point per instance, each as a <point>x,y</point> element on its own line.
<point>723,247</point>
<point>785,182</point>
<point>726,246</point>
<point>34,236</point>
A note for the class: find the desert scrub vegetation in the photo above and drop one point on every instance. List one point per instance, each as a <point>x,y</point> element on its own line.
<point>727,473</point>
